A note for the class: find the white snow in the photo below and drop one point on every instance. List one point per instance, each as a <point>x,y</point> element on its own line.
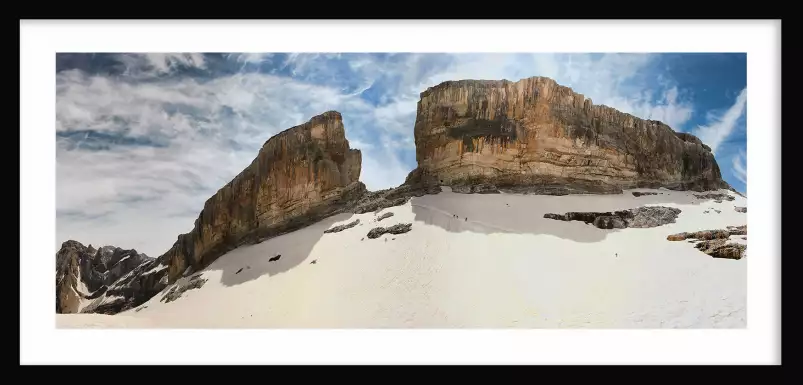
<point>81,300</point>
<point>155,269</point>
<point>82,286</point>
<point>81,291</point>
<point>502,266</point>
<point>737,239</point>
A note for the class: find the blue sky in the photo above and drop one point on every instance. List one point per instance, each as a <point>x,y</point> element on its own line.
<point>144,139</point>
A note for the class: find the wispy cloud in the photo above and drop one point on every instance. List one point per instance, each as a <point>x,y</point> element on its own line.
<point>739,164</point>
<point>139,150</point>
<point>719,127</point>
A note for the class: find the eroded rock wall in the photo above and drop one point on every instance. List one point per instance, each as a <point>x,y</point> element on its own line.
<point>300,176</point>
<point>535,135</point>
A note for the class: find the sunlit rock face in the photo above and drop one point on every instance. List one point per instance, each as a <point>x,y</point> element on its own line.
<point>537,136</point>
<point>300,176</point>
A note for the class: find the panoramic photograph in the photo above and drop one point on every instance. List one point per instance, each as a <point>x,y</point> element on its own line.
<point>401,190</point>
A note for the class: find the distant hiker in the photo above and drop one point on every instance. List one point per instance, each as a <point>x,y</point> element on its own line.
<point>617,255</point>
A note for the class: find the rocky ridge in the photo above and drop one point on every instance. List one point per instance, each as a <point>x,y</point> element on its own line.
<point>716,243</point>
<point>641,217</point>
<point>340,228</point>
<point>530,136</point>
<point>716,197</point>
<point>639,193</point>
<point>396,229</point>
<point>300,176</point>
<point>709,234</point>
<point>132,290</point>
<point>84,273</point>
<point>195,281</point>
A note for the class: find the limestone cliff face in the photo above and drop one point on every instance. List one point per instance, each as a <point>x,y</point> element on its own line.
<point>538,136</point>
<point>84,273</point>
<point>300,176</point>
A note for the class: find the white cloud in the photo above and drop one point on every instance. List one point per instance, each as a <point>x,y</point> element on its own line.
<point>208,131</point>
<point>164,62</point>
<point>739,163</point>
<point>606,79</point>
<point>720,127</point>
<point>149,65</point>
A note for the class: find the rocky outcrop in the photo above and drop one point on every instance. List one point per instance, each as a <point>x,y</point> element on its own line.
<point>340,228</point>
<point>716,243</point>
<point>301,175</point>
<point>709,234</point>
<point>740,209</point>
<point>639,193</point>
<point>84,273</point>
<point>641,217</point>
<point>536,136</point>
<point>481,188</point>
<point>196,281</point>
<point>716,197</point>
<point>721,248</point>
<point>417,184</point>
<point>132,290</point>
<point>400,228</point>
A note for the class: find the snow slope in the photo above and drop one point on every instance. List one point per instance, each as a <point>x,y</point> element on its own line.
<point>498,264</point>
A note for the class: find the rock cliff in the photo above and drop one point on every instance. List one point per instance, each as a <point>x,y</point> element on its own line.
<point>300,176</point>
<point>84,273</point>
<point>537,136</point>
